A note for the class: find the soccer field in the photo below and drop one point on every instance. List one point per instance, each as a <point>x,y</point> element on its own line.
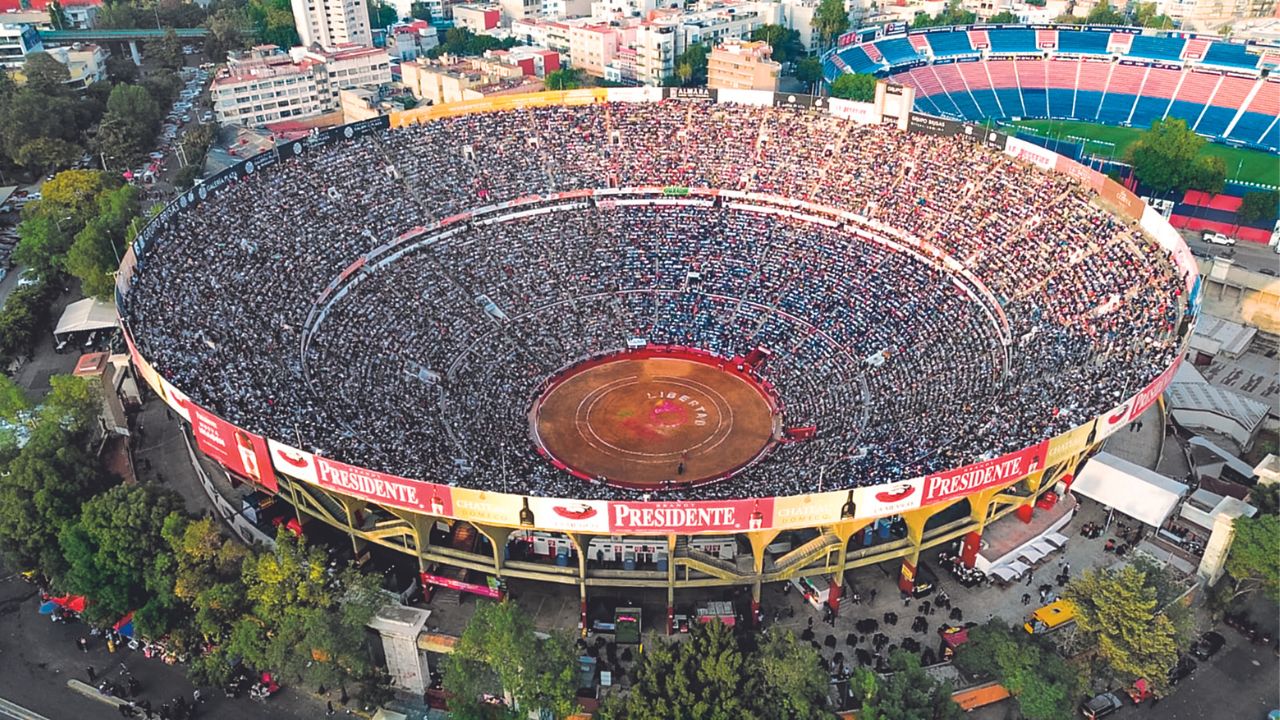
<point>1242,164</point>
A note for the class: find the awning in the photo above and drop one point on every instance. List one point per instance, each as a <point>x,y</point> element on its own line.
<point>1142,494</point>
<point>1044,546</point>
<point>1031,554</point>
<point>86,315</point>
<point>1056,539</point>
<point>1004,573</point>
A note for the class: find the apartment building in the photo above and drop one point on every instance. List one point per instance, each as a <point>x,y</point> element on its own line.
<point>265,84</point>
<point>332,23</point>
<point>738,65</point>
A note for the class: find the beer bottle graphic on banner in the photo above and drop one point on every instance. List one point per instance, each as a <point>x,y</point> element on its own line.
<point>757,518</point>
<point>248,458</point>
<point>437,503</point>
<point>850,509</point>
<point>526,515</point>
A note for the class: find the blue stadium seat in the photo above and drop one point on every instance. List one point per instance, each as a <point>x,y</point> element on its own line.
<point>1011,101</point>
<point>925,104</point>
<point>1250,127</point>
<point>986,100</point>
<point>1215,120</point>
<point>948,44</point>
<point>1157,48</point>
<point>967,107</point>
<point>897,51</point>
<point>858,60</point>
<point>1036,102</point>
<point>1189,111</point>
<point>1061,102</point>
<point>1230,55</point>
<point>1147,110</point>
<point>1008,41</point>
<point>1083,42</point>
<point>1272,139</point>
<point>1115,108</point>
<point>1087,102</point>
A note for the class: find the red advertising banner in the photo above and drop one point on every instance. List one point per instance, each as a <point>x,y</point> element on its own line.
<point>1151,393</point>
<point>709,516</point>
<point>1113,419</point>
<point>988,473</point>
<point>241,452</point>
<point>387,489</point>
<point>891,499</point>
<point>466,587</point>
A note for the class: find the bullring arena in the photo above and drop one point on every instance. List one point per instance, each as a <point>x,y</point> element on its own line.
<point>650,319</point>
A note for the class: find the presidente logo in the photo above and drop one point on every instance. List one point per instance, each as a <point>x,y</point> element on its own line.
<point>360,481</point>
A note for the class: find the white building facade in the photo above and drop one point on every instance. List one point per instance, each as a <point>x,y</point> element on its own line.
<point>330,23</point>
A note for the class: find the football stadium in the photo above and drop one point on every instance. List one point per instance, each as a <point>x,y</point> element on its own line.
<point>657,338</point>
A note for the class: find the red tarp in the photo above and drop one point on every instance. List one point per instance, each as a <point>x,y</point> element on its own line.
<point>1229,203</point>
<point>74,603</point>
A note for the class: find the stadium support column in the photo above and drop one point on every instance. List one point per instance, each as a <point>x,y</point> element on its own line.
<point>582,543</point>
<point>979,511</point>
<point>133,50</point>
<point>422,538</point>
<point>350,512</point>
<point>498,541</point>
<point>844,531</point>
<point>759,540</point>
<point>671,583</point>
<point>915,521</point>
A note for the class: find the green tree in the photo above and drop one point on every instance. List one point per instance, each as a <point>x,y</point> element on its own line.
<point>1043,684</point>
<point>1069,19</point>
<point>1104,14</point>
<point>830,20</point>
<point>952,14</point>
<point>71,196</point>
<point>228,27</point>
<point>1146,15</point>
<point>1209,174</point>
<point>1251,562</point>
<point>58,16</point>
<point>303,622</point>
<point>563,79</point>
<point>381,15</point>
<point>420,11</point>
<point>795,684</point>
<point>112,547</point>
<point>1165,156</point>
<point>855,86</point>
<point>44,74</point>
<point>809,71</point>
<point>909,693</point>
<point>272,22</point>
<point>1003,17</point>
<point>42,488</point>
<point>13,401</point>
<point>784,41</point>
<point>499,644</point>
<point>41,244</point>
<point>1257,206</point>
<point>691,65</point>
<point>1117,610</point>
<point>206,573</point>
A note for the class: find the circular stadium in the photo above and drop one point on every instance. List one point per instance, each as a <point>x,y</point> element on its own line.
<point>634,312</point>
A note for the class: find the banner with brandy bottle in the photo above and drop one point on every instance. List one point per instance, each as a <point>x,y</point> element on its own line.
<point>240,452</point>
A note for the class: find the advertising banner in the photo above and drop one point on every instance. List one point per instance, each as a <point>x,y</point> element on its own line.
<point>140,365</point>
<point>986,474</point>
<point>860,112</point>
<point>293,462</point>
<point>891,499</point>
<point>932,125</point>
<point>1068,444</point>
<point>1120,199</point>
<point>175,398</point>
<point>381,488</point>
<point>1151,393</point>
<point>460,586</point>
<point>1043,158</point>
<point>798,511</point>
<point>693,517</point>
<point>1112,420</point>
<point>241,452</point>
<point>553,514</point>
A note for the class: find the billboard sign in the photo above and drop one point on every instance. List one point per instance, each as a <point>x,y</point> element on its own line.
<point>951,484</point>
<point>241,452</point>
<point>379,487</point>
<point>679,517</point>
<point>293,462</point>
<point>889,499</point>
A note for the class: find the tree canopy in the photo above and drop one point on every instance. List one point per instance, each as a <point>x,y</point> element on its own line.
<point>381,15</point>
<point>1119,612</point>
<point>1004,16</point>
<point>1104,14</point>
<point>1251,562</point>
<point>830,20</point>
<point>952,14</point>
<point>500,653</point>
<point>1146,15</point>
<point>784,41</point>
<point>716,674</point>
<point>563,79</point>
<point>1041,681</point>
<point>1255,206</point>
<point>909,693</point>
<point>1167,158</point>
<point>461,41</point>
<point>855,86</point>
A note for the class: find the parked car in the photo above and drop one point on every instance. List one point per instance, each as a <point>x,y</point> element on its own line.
<point>1182,670</point>
<point>28,279</point>
<point>1100,706</point>
<point>1208,645</point>
<point>1217,238</point>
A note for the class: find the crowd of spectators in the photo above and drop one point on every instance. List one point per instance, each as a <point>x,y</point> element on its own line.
<point>428,365</point>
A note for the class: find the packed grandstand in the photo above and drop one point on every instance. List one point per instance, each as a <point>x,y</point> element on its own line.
<point>1035,310</point>
<point>1115,76</point>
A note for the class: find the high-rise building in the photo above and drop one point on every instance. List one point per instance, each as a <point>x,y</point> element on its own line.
<point>330,23</point>
<point>265,85</point>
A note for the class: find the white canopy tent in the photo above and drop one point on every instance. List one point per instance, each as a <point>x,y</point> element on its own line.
<point>1142,494</point>
<point>85,316</point>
